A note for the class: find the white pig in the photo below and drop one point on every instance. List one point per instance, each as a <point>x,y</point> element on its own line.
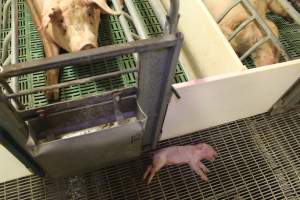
<point>267,53</point>
<point>68,24</point>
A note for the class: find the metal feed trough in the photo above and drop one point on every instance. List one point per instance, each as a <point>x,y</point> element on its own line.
<point>70,137</point>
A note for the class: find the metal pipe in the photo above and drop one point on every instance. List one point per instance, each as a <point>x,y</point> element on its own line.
<point>240,27</point>
<point>70,83</point>
<point>14,32</point>
<point>168,20</point>
<point>139,25</point>
<point>254,47</point>
<point>14,41</point>
<point>7,61</point>
<point>128,34</point>
<point>228,10</point>
<point>160,12</point>
<point>77,58</point>
<point>173,17</point>
<point>8,89</point>
<point>6,41</point>
<point>5,12</point>
<point>290,10</point>
<point>267,29</point>
<point>1,13</point>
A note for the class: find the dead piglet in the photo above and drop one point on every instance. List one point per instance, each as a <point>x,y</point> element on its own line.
<point>178,155</point>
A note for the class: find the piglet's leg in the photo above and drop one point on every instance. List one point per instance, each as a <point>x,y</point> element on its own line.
<point>194,166</point>
<point>153,169</point>
<point>148,170</point>
<point>203,167</point>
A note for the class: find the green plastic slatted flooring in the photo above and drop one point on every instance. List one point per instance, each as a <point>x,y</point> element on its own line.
<point>30,47</point>
<point>289,37</point>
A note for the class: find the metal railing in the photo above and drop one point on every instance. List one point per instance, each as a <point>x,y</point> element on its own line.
<point>255,17</point>
<point>10,56</point>
<point>156,59</point>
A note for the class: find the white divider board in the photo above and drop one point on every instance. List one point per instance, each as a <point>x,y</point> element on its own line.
<point>206,51</point>
<point>10,167</point>
<point>220,99</point>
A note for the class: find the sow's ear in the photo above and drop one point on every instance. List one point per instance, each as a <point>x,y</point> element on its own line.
<point>51,15</point>
<point>102,4</point>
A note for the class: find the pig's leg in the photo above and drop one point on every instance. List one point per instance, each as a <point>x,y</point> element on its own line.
<point>50,50</point>
<point>155,167</point>
<point>52,74</point>
<point>196,168</point>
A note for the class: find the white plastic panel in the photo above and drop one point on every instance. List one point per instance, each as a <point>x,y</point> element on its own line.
<point>206,51</point>
<point>10,167</point>
<point>220,99</point>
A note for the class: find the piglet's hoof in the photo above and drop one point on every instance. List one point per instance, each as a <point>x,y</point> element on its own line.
<point>178,155</point>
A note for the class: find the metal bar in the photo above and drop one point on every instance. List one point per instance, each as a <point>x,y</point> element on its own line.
<point>1,14</point>
<point>173,17</point>
<point>160,12</point>
<point>266,29</point>
<point>290,10</point>
<point>14,29</point>
<point>15,49</point>
<point>70,104</point>
<point>5,12</point>
<point>6,86</point>
<point>128,34</point>
<point>139,25</point>
<point>6,41</point>
<point>240,27</point>
<point>126,15</point>
<point>135,36</point>
<point>155,82</point>
<point>228,10</point>
<point>7,61</point>
<point>168,20</point>
<point>85,56</point>
<point>70,83</point>
<point>254,47</point>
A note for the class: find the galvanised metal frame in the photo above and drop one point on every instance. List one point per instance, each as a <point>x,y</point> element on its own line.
<point>259,19</point>
<point>11,37</point>
<point>170,22</point>
<point>70,137</point>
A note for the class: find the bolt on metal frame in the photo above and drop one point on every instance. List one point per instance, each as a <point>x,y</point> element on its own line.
<point>42,135</point>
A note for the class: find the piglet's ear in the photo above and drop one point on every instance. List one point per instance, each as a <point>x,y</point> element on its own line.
<point>102,4</point>
<point>51,15</point>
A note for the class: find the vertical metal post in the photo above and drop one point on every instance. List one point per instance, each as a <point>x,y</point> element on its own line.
<point>168,21</point>
<point>294,14</point>
<point>155,81</point>
<point>139,25</point>
<point>125,26</point>
<point>160,12</point>
<point>14,43</point>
